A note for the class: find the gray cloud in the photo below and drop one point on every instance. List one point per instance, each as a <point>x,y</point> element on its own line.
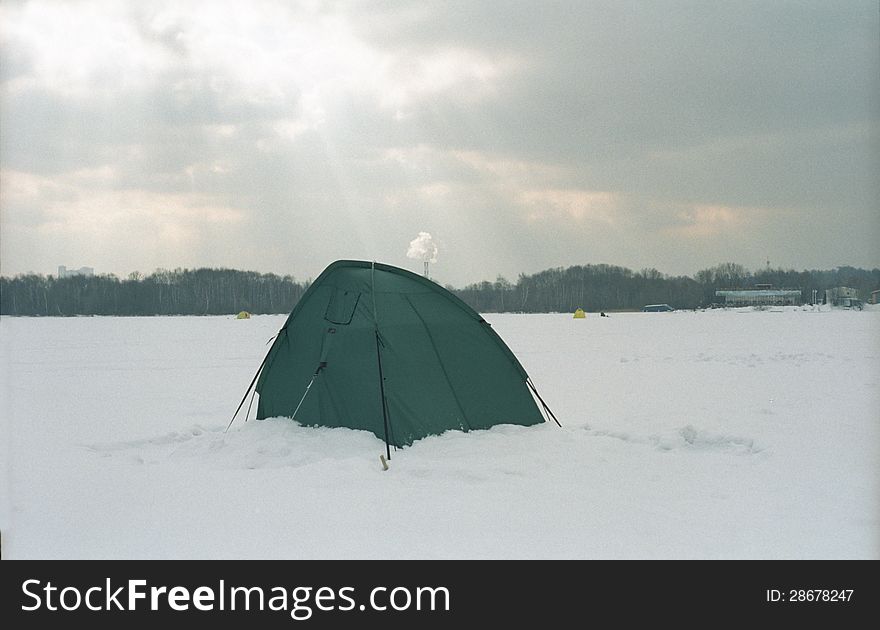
<point>275,137</point>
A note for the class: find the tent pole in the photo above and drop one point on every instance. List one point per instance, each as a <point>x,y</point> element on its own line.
<point>248,391</point>
<point>373,294</point>
<point>543,404</point>
<point>382,392</point>
<point>379,358</point>
<point>250,404</point>
<point>305,393</point>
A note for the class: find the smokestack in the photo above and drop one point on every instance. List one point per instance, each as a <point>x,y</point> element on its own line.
<point>423,248</point>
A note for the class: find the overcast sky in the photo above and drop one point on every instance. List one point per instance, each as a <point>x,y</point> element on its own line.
<point>278,137</point>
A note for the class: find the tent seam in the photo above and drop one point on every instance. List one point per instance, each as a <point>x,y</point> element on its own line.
<point>440,361</point>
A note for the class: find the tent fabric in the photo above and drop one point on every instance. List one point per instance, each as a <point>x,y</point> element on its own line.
<point>442,365</point>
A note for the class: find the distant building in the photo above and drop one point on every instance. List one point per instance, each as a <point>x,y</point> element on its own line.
<point>760,295</point>
<point>875,296</point>
<point>64,272</point>
<point>845,297</point>
<point>657,308</point>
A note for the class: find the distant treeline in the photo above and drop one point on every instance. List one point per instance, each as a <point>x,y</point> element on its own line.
<point>178,292</point>
<point>227,291</point>
<point>606,287</point>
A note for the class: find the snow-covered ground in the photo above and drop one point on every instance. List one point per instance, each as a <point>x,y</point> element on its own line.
<point>719,434</point>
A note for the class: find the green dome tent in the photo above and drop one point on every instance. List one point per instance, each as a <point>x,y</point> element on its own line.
<point>374,347</point>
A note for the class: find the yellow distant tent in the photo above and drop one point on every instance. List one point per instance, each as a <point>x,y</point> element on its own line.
<point>243,315</point>
<point>579,314</point>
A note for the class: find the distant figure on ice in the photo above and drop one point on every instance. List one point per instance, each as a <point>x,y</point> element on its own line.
<point>602,314</point>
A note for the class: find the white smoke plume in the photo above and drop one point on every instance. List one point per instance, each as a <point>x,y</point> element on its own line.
<point>423,248</point>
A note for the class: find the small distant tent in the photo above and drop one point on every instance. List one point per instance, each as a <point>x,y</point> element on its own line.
<point>579,314</point>
<point>243,315</point>
<point>657,308</point>
<point>374,347</point>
